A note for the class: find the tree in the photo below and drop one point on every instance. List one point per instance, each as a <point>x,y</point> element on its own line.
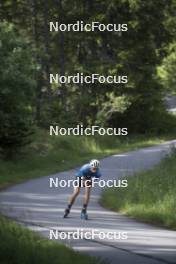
<point>136,53</point>
<point>167,71</point>
<point>16,93</point>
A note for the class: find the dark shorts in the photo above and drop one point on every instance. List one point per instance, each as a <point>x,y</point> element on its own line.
<point>84,181</point>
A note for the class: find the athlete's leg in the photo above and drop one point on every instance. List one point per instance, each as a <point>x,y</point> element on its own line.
<point>72,200</point>
<point>74,195</point>
<point>87,195</point>
<point>86,198</point>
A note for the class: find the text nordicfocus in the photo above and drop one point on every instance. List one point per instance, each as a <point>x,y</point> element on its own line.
<point>80,26</point>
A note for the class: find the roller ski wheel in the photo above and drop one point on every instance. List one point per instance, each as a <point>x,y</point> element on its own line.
<point>84,216</point>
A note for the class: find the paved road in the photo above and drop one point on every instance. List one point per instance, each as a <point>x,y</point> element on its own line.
<point>41,208</point>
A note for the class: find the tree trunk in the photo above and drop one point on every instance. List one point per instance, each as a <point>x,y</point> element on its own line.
<point>61,51</point>
<point>38,75</point>
<point>46,48</point>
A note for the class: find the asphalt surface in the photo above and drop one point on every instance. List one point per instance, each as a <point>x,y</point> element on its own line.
<point>40,207</point>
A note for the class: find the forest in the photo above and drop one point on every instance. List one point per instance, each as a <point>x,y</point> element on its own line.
<point>144,51</point>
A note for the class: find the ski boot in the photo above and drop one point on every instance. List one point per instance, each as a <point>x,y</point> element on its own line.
<point>84,215</point>
<point>67,211</point>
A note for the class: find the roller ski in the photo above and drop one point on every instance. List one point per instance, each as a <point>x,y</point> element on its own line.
<point>67,211</point>
<point>84,215</point>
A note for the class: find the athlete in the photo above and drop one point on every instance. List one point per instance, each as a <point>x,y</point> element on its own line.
<point>84,177</point>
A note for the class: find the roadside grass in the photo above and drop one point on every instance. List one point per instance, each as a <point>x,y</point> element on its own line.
<point>150,195</point>
<point>51,154</point>
<point>21,246</point>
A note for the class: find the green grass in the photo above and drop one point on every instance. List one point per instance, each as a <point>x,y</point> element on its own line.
<point>48,154</point>
<point>21,246</point>
<point>150,195</point>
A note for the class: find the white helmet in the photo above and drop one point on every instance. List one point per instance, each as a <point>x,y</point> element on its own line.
<point>94,163</point>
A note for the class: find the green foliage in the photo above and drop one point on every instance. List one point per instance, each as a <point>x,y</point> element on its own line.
<point>167,70</point>
<point>150,195</point>
<point>19,245</point>
<point>135,53</point>
<point>113,105</point>
<point>16,82</point>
